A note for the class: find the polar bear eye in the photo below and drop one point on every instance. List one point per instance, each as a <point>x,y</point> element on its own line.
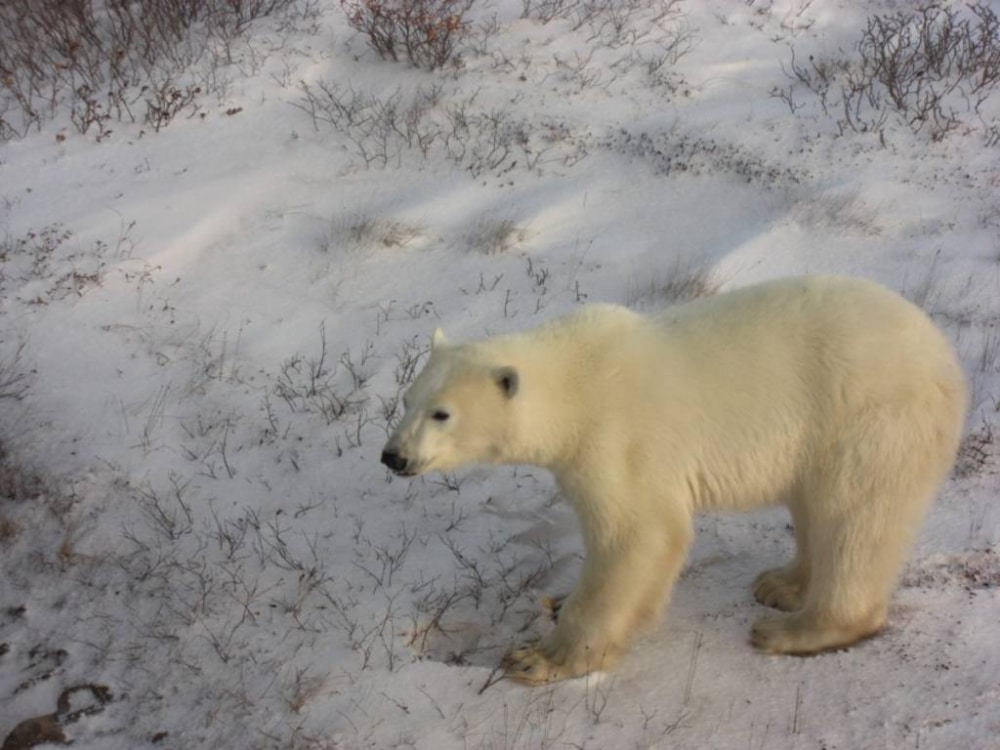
<point>440,416</point>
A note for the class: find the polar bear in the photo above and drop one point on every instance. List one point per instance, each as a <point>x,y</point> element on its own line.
<point>830,395</point>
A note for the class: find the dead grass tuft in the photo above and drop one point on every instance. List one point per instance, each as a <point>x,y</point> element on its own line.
<point>356,231</point>
<point>685,281</point>
<point>491,235</point>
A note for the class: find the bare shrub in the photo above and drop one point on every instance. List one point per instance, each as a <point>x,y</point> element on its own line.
<point>654,33</point>
<point>975,451</point>
<point>380,128</point>
<point>304,689</point>
<point>425,32</point>
<point>18,481</point>
<point>618,23</point>
<point>166,100</point>
<point>317,385</point>
<point>488,141</point>
<point>9,530</point>
<point>14,375</point>
<point>932,67</point>
<point>46,265</point>
<point>102,61</point>
<point>241,13</point>
<point>546,10</point>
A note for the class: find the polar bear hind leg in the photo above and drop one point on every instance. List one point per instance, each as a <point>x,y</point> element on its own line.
<point>854,527</point>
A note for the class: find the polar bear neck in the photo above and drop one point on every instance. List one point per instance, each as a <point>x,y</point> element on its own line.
<point>554,406</point>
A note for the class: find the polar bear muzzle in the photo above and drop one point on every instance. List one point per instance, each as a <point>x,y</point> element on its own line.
<point>395,462</point>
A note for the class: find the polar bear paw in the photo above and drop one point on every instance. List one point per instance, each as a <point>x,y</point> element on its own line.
<point>781,635</point>
<point>532,666</point>
<point>778,588</point>
<point>548,661</point>
<point>801,634</point>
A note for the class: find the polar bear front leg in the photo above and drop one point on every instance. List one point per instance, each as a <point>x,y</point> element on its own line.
<point>582,641</point>
<point>623,587</point>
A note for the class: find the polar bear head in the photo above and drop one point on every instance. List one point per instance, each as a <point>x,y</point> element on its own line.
<point>458,411</point>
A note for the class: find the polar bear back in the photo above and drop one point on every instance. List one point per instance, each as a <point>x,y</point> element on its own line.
<point>743,393</point>
<point>833,336</point>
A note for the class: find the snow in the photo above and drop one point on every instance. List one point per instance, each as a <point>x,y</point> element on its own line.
<point>194,514</point>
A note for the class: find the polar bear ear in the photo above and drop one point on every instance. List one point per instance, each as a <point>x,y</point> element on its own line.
<point>508,380</point>
<point>438,339</point>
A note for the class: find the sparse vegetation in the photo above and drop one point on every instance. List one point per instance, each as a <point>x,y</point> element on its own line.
<point>619,23</point>
<point>491,235</point>
<point>674,153</point>
<point>933,68</point>
<point>926,292</point>
<point>311,385</point>
<point>15,377</point>
<point>195,513</point>
<point>358,230</point>
<point>102,63</point>
<point>381,129</point>
<point>684,281</point>
<point>384,130</point>
<point>8,530</point>
<point>425,32</point>
<point>974,569</point>
<point>976,451</point>
<point>839,213</point>
<point>51,265</point>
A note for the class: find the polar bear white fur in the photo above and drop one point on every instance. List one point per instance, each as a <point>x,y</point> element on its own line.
<point>833,396</point>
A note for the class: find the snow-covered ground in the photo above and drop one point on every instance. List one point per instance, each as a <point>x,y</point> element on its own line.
<point>205,331</point>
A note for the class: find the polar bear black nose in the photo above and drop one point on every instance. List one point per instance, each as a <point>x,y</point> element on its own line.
<point>393,460</point>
